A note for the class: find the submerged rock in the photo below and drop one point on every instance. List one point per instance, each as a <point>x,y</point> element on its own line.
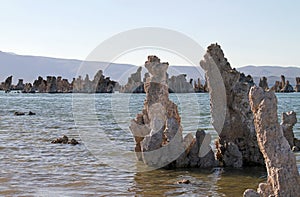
<point>65,140</point>
<point>158,131</point>
<point>30,113</point>
<point>283,176</point>
<point>19,113</point>
<point>231,114</point>
<point>184,181</point>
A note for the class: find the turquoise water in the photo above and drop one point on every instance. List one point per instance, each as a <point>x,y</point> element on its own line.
<point>104,163</point>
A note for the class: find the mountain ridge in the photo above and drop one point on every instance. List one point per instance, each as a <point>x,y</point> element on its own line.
<point>20,65</point>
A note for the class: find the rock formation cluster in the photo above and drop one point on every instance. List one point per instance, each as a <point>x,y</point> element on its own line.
<point>237,144</point>
<point>134,84</point>
<point>283,86</point>
<point>158,132</point>
<point>52,84</point>
<point>283,176</point>
<point>179,84</point>
<point>176,84</point>
<point>199,87</point>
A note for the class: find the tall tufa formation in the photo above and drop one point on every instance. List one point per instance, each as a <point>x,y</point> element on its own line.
<point>283,176</point>
<point>134,84</point>
<point>237,144</point>
<point>157,130</point>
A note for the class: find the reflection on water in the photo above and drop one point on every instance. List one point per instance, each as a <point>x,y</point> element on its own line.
<point>204,182</point>
<point>31,165</point>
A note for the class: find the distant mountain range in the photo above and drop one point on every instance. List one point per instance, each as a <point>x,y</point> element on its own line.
<point>273,73</point>
<point>30,67</point>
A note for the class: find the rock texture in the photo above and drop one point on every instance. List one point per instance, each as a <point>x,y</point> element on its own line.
<point>20,85</point>
<point>237,144</point>
<point>179,84</point>
<point>158,131</point>
<point>283,86</point>
<point>52,84</point>
<point>283,176</point>
<point>288,121</point>
<point>199,88</point>
<point>65,140</point>
<point>297,87</point>
<point>134,84</point>
<point>263,83</point>
<point>7,84</point>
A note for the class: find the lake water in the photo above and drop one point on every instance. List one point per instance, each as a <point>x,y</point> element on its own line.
<point>104,164</point>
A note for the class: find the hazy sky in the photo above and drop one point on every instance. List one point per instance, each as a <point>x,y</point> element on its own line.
<point>250,32</point>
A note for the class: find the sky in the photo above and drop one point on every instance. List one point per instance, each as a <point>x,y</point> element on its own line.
<point>250,32</point>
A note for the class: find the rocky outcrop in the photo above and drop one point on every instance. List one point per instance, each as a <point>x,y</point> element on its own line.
<point>263,83</point>
<point>65,140</point>
<point>282,86</point>
<point>283,176</point>
<point>297,87</point>
<point>40,85</point>
<point>100,84</point>
<point>63,85</point>
<point>288,121</point>
<point>158,132</point>
<point>237,144</point>
<point>7,84</point>
<point>276,86</point>
<point>287,87</point>
<point>20,85</point>
<point>134,84</point>
<point>51,84</point>
<point>179,84</point>
<point>199,88</point>
<point>103,84</point>
<point>28,88</point>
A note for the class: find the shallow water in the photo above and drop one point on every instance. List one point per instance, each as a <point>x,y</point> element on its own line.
<point>104,163</point>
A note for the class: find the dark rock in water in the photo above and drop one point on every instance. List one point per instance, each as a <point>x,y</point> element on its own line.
<point>62,140</point>
<point>73,142</point>
<point>184,181</point>
<point>231,114</point>
<point>65,140</point>
<point>287,87</point>
<point>30,113</point>
<point>283,86</point>
<point>19,113</point>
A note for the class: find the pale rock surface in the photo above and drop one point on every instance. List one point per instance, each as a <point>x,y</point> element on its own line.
<point>231,114</point>
<point>158,132</point>
<point>283,176</point>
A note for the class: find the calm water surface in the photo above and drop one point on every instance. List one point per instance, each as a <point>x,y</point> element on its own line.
<point>103,164</point>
